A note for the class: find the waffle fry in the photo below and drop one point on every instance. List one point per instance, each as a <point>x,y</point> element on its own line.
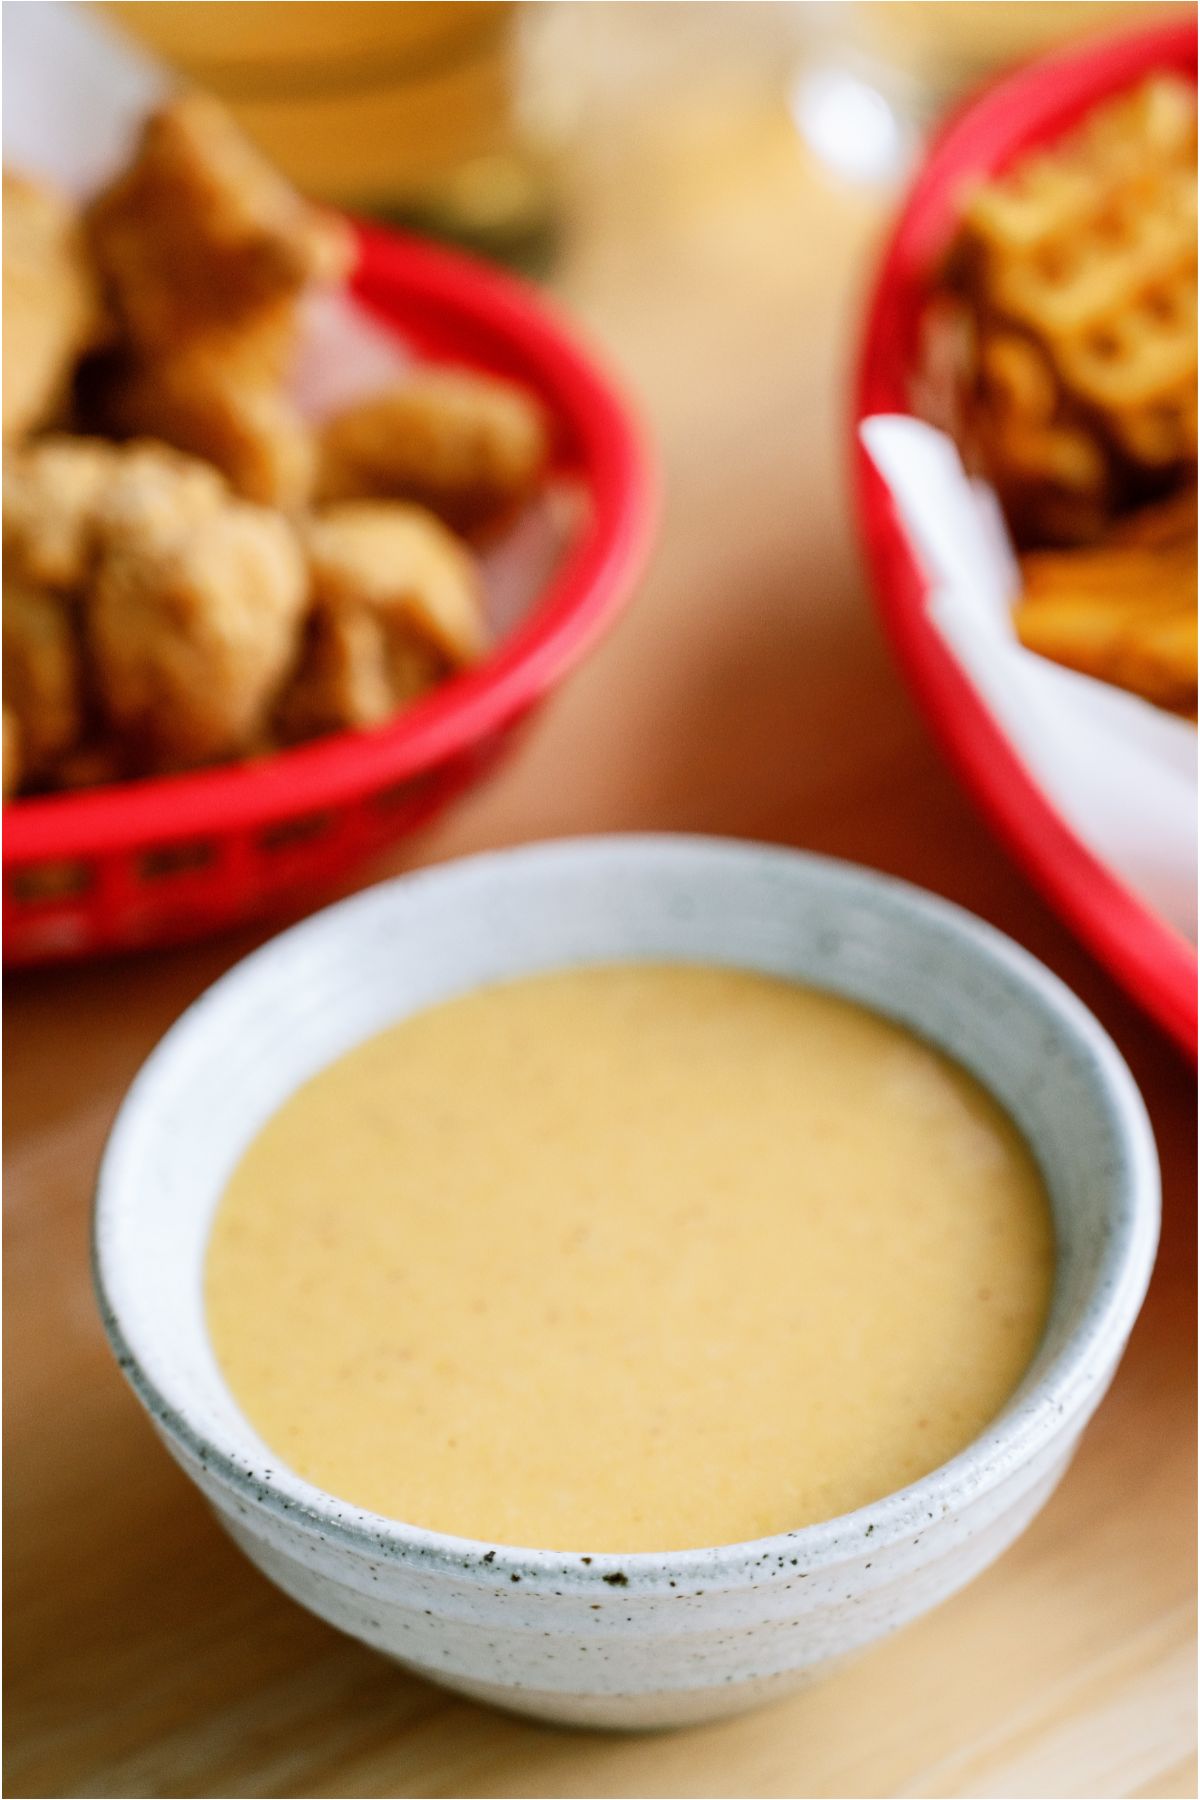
<point>1170,524</point>
<point>1124,612</point>
<point>1075,278</point>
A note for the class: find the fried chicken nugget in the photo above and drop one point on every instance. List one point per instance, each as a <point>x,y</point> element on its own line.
<point>399,562</point>
<point>12,771</point>
<point>96,762</point>
<point>201,236</point>
<point>207,251</point>
<point>58,492</point>
<point>192,625</point>
<point>469,447</point>
<point>397,605</point>
<point>158,489</point>
<point>209,404</point>
<point>52,309</point>
<point>43,675</point>
<point>52,490</point>
<point>355,673</point>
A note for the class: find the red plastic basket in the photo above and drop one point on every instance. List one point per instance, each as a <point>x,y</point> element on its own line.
<point>162,861</point>
<point>1154,961</point>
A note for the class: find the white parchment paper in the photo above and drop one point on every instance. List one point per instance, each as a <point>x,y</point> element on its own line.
<point>1121,772</point>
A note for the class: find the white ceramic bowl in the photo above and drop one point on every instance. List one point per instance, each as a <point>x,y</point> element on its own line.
<point>645,1639</point>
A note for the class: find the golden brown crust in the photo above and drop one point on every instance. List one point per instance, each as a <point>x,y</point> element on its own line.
<point>1072,306</point>
<point>93,763</point>
<point>192,628</point>
<point>12,773</point>
<point>52,492</point>
<point>61,493</point>
<point>1123,611</point>
<point>469,447</point>
<point>157,488</point>
<point>208,403</point>
<point>201,236</point>
<point>1171,524</point>
<point>401,563</point>
<point>397,605</point>
<point>355,672</point>
<point>43,675</point>
<point>52,308</point>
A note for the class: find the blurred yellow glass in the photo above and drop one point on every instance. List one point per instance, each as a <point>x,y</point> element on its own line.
<point>397,107</point>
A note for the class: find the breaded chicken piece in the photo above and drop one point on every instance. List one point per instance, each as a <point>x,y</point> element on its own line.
<point>158,489</point>
<point>397,605</point>
<point>13,772</point>
<point>469,447</point>
<point>399,562</point>
<point>59,492</point>
<point>52,309</point>
<point>201,236</point>
<point>52,490</point>
<point>207,252</point>
<point>354,673</point>
<point>214,406</point>
<point>192,626</point>
<point>43,675</point>
<point>94,763</point>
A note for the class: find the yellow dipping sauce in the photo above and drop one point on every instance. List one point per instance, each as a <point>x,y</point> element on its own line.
<point>630,1258</point>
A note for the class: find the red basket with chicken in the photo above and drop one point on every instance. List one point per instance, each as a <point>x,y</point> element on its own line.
<point>284,572</point>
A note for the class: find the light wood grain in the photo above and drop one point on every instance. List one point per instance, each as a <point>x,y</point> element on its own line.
<point>746,692</point>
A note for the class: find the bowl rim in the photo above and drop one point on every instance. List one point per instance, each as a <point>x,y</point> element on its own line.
<point>1154,961</point>
<point>1025,1428</point>
<point>488,317</point>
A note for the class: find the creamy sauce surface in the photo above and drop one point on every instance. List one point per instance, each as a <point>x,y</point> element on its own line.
<point>629,1258</point>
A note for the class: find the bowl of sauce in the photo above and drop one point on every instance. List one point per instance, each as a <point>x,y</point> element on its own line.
<point>620,1278</point>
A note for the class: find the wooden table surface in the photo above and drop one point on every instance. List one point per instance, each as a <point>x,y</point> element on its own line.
<point>747,692</point>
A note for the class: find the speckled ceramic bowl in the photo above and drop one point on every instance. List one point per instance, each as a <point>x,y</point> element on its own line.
<point>646,1639</point>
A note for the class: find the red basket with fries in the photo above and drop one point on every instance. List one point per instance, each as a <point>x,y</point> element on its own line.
<point>1145,951</point>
